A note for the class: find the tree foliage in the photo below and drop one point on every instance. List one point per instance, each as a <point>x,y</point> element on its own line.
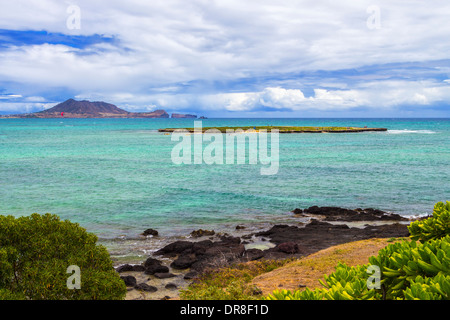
<point>35,252</point>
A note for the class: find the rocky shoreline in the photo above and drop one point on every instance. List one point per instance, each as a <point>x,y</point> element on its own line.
<point>177,264</point>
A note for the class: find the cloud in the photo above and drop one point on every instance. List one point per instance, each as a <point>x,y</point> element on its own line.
<point>229,55</point>
<point>23,107</point>
<point>373,95</point>
<point>10,96</point>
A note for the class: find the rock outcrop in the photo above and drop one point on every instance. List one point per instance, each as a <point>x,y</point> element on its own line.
<point>343,214</point>
<point>288,241</point>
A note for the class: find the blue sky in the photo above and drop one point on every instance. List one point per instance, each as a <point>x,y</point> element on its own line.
<point>229,58</point>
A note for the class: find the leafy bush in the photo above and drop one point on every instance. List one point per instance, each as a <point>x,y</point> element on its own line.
<point>403,262</point>
<point>306,294</point>
<point>436,288</point>
<point>35,252</point>
<point>434,227</point>
<point>348,283</point>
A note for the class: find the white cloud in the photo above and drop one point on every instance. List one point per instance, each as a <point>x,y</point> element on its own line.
<point>24,107</point>
<point>10,96</point>
<point>375,95</point>
<point>162,43</point>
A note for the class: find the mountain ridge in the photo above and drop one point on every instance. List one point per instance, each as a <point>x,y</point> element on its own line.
<point>97,109</point>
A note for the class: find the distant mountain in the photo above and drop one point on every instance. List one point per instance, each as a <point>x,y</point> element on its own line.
<point>86,109</point>
<point>72,108</point>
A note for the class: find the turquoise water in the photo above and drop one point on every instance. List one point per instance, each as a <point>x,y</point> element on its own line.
<point>115,177</point>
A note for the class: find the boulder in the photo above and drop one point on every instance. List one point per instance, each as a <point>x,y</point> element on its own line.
<point>145,287</point>
<point>153,266</point>
<point>343,214</point>
<point>253,254</point>
<point>130,281</point>
<point>150,232</point>
<point>201,233</point>
<point>184,261</point>
<point>164,275</point>
<point>129,267</point>
<point>288,247</point>
<point>174,248</point>
<point>171,286</point>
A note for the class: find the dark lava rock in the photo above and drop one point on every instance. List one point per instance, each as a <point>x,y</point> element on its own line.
<point>203,254</point>
<point>184,261</point>
<point>319,235</point>
<point>343,214</point>
<point>253,254</point>
<point>145,287</point>
<point>130,281</point>
<point>156,269</point>
<point>201,233</point>
<point>150,232</point>
<point>129,267</point>
<point>297,211</point>
<point>171,286</point>
<point>199,248</point>
<point>174,248</point>
<point>291,241</point>
<point>288,247</point>
<point>153,266</point>
<point>164,275</point>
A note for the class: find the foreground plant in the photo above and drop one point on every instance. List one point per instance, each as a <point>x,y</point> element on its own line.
<point>36,251</point>
<point>434,227</point>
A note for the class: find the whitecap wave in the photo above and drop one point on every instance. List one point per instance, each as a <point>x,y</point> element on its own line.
<point>410,131</point>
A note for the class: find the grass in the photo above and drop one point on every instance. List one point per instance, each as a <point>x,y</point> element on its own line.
<point>231,283</point>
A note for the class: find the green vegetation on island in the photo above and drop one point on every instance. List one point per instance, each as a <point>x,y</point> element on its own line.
<point>281,129</point>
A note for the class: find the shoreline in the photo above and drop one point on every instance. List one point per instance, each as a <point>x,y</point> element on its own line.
<point>176,264</point>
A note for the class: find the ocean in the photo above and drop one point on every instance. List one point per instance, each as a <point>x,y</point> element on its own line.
<point>116,177</point>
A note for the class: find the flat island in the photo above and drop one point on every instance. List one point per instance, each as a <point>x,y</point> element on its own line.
<point>282,129</point>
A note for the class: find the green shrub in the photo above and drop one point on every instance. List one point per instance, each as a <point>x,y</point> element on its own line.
<point>35,252</point>
<point>403,262</point>
<point>306,294</point>
<point>434,227</point>
<point>436,288</point>
<point>348,283</point>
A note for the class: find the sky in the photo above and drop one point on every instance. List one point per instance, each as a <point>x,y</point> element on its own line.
<point>229,58</point>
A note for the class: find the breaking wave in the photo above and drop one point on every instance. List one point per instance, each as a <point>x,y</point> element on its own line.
<point>410,131</point>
